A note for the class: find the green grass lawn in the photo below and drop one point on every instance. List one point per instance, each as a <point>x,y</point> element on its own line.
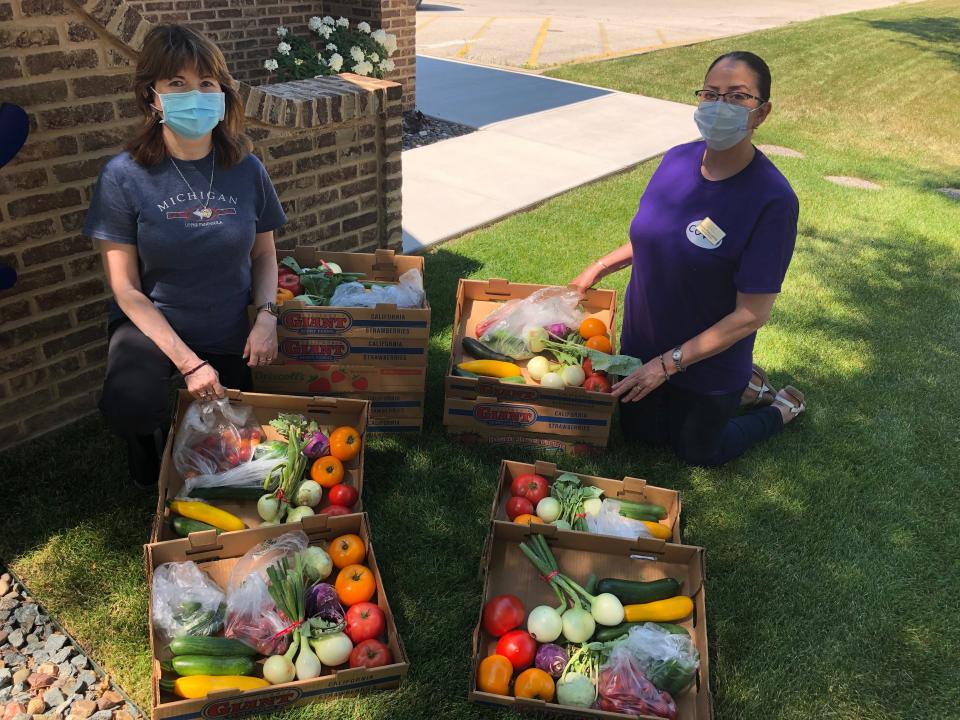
<point>831,551</point>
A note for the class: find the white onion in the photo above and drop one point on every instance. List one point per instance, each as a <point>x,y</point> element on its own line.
<point>544,624</point>
<point>573,375</point>
<point>538,367</point>
<point>549,509</point>
<point>552,380</point>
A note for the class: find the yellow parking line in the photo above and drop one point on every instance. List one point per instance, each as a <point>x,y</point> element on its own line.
<point>462,52</point>
<point>428,21</point>
<point>604,38</point>
<point>638,50</point>
<point>661,36</point>
<point>538,43</point>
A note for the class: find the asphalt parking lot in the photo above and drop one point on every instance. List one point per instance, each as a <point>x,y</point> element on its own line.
<point>535,34</point>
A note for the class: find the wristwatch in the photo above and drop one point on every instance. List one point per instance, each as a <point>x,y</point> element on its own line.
<point>677,356</point>
<point>270,307</point>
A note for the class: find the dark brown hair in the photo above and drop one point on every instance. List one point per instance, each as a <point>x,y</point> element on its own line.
<point>167,50</point>
<point>755,63</point>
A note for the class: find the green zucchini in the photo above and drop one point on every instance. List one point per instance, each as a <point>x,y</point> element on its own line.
<point>465,373</point>
<point>641,511</point>
<point>606,634</point>
<point>515,379</point>
<point>184,526</point>
<point>632,592</point>
<point>227,493</point>
<point>213,665</point>
<point>201,645</point>
<point>477,349</point>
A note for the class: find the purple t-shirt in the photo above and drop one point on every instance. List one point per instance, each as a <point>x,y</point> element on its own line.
<point>686,274</point>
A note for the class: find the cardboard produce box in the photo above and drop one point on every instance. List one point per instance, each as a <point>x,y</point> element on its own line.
<point>325,410</point>
<point>394,412</point>
<point>362,351</point>
<point>490,409</point>
<point>507,570</point>
<point>336,379</point>
<point>556,445</point>
<point>298,320</point>
<point>216,556</point>
<point>630,489</point>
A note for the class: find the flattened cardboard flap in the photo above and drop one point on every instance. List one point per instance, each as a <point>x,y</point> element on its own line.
<point>634,485</point>
<point>545,469</point>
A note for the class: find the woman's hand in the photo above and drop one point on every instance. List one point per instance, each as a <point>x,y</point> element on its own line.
<point>261,347</point>
<point>639,384</point>
<point>204,384</point>
<point>587,279</point>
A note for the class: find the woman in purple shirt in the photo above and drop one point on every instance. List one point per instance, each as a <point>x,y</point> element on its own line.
<point>709,247</point>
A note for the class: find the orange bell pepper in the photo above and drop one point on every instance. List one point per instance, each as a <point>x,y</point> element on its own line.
<point>534,683</point>
<point>283,295</point>
<point>493,675</point>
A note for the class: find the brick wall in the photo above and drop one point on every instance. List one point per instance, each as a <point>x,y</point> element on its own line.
<point>246,31</point>
<point>332,147</point>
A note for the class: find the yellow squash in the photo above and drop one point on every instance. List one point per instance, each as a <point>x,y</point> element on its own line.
<point>491,368</point>
<point>204,512</point>
<point>669,610</point>
<point>659,531</point>
<point>199,686</point>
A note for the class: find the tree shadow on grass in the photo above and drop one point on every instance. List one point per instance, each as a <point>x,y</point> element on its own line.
<point>936,35</point>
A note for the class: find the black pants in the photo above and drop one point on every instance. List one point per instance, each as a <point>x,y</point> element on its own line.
<point>136,392</point>
<point>705,430</point>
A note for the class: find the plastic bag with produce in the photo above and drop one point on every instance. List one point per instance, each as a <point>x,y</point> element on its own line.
<point>252,616</point>
<point>518,327</point>
<point>185,600</point>
<point>408,293</point>
<point>609,521</point>
<point>215,437</point>
<point>670,661</point>
<point>625,689</point>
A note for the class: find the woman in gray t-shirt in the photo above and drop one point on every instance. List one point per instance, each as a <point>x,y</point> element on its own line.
<point>185,220</point>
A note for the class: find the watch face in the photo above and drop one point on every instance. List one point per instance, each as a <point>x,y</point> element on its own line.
<point>677,354</point>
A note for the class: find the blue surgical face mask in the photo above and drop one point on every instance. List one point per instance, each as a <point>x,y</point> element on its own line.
<point>722,124</point>
<point>191,114</point>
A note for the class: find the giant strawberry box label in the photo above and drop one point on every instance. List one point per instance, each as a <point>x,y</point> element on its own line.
<point>328,378</point>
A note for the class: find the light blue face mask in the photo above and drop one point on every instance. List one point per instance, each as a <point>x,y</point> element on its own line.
<point>192,114</point>
<point>722,124</point>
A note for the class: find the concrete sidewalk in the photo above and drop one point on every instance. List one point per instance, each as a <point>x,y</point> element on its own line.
<point>537,138</point>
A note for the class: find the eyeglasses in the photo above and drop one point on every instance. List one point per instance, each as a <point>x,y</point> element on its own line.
<point>737,97</point>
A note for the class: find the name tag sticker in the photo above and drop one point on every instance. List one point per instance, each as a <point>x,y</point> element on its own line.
<point>711,231</point>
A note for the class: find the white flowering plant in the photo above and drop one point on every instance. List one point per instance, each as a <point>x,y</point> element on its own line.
<point>333,46</point>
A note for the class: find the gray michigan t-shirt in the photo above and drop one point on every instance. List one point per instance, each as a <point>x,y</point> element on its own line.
<point>194,264</point>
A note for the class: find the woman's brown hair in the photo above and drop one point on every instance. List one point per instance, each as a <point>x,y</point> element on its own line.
<point>167,50</point>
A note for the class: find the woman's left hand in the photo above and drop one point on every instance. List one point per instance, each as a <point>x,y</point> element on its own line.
<point>261,347</point>
<point>639,384</point>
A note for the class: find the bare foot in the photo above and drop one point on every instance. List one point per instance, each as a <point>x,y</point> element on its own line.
<point>789,402</point>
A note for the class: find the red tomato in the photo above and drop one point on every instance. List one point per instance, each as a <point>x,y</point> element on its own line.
<point>502,614</point>
<point>597,383</point>
<point>530,486</point>
<point>588,369</point>
<point>335,510</point>
<point>365,621</point>
<point>519,506</point>
<point>370,654</point>
<point>519,647</point>
<point>345,495</point>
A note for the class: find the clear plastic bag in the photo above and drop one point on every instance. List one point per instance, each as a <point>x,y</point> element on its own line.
<point>215,437</point>
<point>408,293</point>
<point>669,660</point>
<point>251,474</point>
<point>624,688</point>
<point>506,328</point>
<point>186,601</point>
<point>252,616</point>
<point>609,521</point>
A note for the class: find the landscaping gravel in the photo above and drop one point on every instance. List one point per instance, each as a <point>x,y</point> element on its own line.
<point>43,675</point>
<point>420,130</point>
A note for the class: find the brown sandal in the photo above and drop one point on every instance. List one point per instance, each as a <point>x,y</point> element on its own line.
<point>760,384</point>
<point>794,406</point>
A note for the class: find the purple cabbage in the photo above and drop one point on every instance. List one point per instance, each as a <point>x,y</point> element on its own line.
<point>557,330</point>
<point>323,607</point>
<point>552,659</point>
<point>316,445</point>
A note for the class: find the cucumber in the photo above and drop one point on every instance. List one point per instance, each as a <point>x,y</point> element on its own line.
<point>641,511</point>
<point>464,373</point>
<point>633,592</point>
<point>227,493</point>
<point>480,351</point>
<point>606,634</point>
<point>184,526</point>
<point>213,665</point>
<point>515,379</point>
<point>199,645</point>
